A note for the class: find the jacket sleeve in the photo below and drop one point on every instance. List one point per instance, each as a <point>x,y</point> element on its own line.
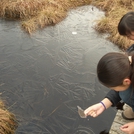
<point>114,97</point>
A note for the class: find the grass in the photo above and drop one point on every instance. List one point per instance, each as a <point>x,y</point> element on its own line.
<point>7,120</point>
<point>37,14</point>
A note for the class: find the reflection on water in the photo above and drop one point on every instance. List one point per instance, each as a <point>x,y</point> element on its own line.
<point>44,77</point>
<point>83,130</point>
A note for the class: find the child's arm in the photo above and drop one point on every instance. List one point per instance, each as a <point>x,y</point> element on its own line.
<point>107,103</point>
<point>98,108</point>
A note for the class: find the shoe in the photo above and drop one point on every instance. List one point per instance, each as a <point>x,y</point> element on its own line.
<point>128,114</point>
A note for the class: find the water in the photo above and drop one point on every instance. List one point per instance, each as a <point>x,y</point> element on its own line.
<point>44,77</point>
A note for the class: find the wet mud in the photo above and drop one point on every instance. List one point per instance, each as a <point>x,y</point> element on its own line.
<point>44,77</point>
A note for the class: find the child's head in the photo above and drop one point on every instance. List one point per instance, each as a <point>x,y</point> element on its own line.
<point>126,25</point>
<point>114,69</point>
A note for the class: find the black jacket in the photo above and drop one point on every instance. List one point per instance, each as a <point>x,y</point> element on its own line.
<point>114,97</point>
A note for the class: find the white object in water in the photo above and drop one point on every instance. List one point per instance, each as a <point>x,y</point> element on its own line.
<point>74,33</point>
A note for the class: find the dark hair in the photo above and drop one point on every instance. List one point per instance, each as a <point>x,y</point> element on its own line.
<point>126,24</point>
<point>113,68</point>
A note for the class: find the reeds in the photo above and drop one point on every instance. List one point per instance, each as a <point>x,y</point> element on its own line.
<point>8,122</point>
<point>36,14</point>
<point>114,10</point>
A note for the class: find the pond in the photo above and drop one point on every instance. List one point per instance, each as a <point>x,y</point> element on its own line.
<point>45,76</point>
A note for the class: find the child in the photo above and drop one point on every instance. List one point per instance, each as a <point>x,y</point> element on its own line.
<point>117,76</point>
<point>126,25</point>
<point>116,71</point>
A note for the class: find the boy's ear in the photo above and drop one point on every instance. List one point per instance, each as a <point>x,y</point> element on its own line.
<point>126,82</point>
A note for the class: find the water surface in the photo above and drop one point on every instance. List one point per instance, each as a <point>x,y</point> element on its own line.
<point>44,77</point>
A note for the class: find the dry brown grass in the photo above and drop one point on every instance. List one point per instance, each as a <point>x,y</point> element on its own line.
<point>36,14</point>
<point>7,120</point>
<point>114,10</point>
